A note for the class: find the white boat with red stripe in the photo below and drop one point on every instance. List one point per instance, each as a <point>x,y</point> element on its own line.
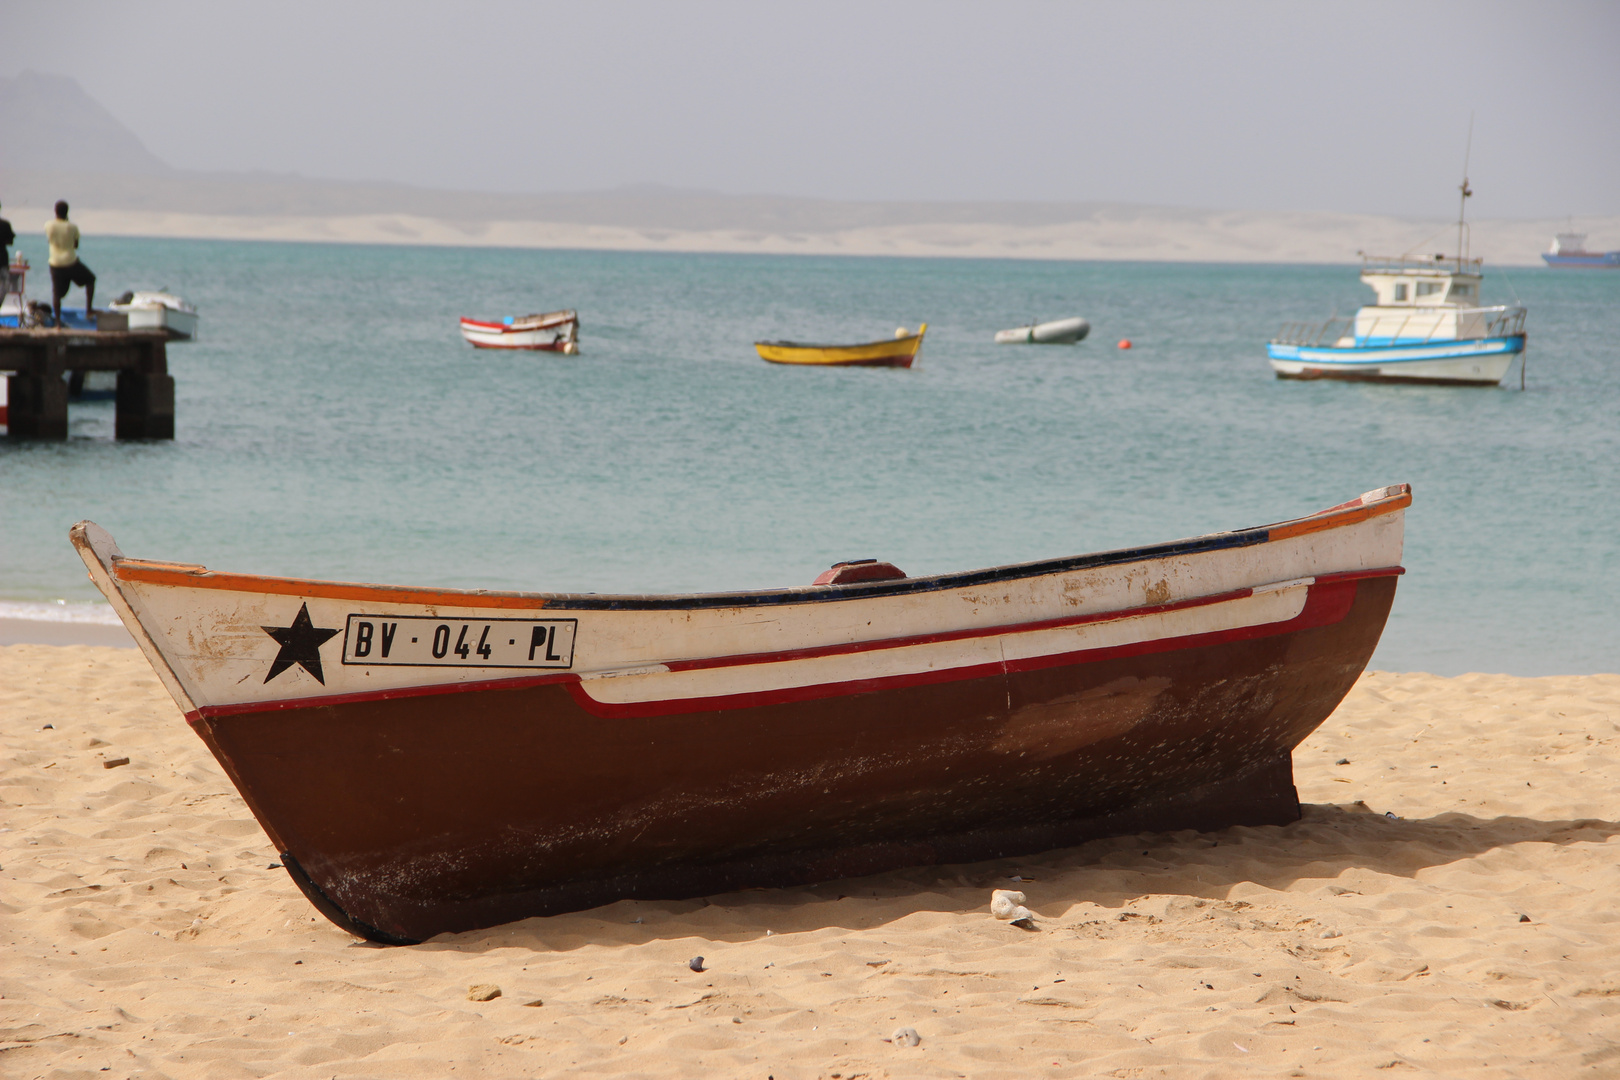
<point>556,331</point>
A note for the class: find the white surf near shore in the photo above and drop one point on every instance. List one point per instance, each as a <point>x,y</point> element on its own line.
<point>60,611</point>
<point>61,622</point>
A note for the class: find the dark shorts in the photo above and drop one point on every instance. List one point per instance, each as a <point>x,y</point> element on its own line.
<point>64,277</point>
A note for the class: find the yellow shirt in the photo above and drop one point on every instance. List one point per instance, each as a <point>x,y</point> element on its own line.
<point>64,239</point>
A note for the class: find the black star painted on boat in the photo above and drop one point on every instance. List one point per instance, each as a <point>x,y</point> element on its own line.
<point>300,644</point>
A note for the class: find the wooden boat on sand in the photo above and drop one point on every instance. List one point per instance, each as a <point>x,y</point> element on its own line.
<point>898,351</point>
<point>430,760</point>
<point>556,331</point>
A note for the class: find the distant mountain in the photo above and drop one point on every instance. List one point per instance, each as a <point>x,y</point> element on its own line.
<point>49,124</point>
<point>56,142</point>
<point>262,194</point>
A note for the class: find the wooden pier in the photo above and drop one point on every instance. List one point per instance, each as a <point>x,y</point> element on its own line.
<point>38,391</point>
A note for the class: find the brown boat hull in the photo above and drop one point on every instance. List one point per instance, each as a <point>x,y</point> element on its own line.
<point>402,817</point>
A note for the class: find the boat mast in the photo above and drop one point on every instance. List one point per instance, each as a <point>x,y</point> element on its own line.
<point>1462,203</point>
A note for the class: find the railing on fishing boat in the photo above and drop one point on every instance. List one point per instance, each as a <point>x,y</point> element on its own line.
<point>1315,333</point>
<point>1398,264</point>
<point>1499,321</point>
<point>1506,322</point>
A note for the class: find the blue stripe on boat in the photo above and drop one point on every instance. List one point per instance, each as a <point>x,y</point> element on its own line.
<point>1381,354</point>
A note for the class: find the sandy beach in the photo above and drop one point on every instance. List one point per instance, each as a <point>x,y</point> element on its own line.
<point>1445,908</point>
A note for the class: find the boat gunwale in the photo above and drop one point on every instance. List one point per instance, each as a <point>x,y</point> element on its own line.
<point>195,576</point>
<point>857,345</point>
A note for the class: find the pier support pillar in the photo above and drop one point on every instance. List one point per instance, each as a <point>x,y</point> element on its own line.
<point>146,396</point>
<point>37,406</point>
<point>145,406</point>
<point>45,359</point>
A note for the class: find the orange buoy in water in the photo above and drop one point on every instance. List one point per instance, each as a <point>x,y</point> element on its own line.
<point>1124,343</point>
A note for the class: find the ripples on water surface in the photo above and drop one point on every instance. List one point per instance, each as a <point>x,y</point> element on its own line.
<point>331,423</point>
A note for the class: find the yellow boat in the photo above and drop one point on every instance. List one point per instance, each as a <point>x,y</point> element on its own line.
<point>899,351</point>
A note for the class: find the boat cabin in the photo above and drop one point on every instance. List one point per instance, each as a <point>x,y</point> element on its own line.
<point>1569,243</point>
<point>1420,300</point>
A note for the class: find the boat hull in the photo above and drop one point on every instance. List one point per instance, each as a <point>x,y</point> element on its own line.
<point>549,809</point>
<point>1470,362</point>
<point>545,335</point>
<point>1590,260</point>
<point>177,325</point>
<point>669,747</point>
<point>897,352</point>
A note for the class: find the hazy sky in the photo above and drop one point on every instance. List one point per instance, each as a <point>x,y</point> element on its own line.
<point>1298,106</point>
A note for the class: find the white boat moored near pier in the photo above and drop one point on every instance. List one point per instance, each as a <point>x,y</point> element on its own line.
<point>154,310</point>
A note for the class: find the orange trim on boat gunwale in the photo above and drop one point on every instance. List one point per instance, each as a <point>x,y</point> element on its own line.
<point>200,577</point>
<point>190,575</point>
<point>1335,517</point>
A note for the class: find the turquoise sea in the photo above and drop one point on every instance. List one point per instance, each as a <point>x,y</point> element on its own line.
<point>331,423</point>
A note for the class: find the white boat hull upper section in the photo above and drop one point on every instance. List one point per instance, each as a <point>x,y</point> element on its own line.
<point>522,339</point>
<point>662,684</point>
<point>177,324</point>
<point>209,635</point>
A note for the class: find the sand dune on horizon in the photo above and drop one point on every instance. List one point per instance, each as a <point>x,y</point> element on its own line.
<point>1107,233</point>
<point>1445,907</point>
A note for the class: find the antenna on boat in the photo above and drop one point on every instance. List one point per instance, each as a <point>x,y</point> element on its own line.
<point>1462,204</point>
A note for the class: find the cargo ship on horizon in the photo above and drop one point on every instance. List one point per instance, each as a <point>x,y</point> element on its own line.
<point>1569,252</point>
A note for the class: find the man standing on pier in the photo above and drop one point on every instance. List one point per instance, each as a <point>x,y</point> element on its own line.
<point>66,269</point>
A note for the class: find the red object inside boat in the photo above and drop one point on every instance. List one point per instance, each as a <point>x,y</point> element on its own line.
<point>859,570</point>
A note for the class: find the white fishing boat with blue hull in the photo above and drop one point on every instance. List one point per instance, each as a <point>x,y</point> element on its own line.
<point>1425,327</point>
